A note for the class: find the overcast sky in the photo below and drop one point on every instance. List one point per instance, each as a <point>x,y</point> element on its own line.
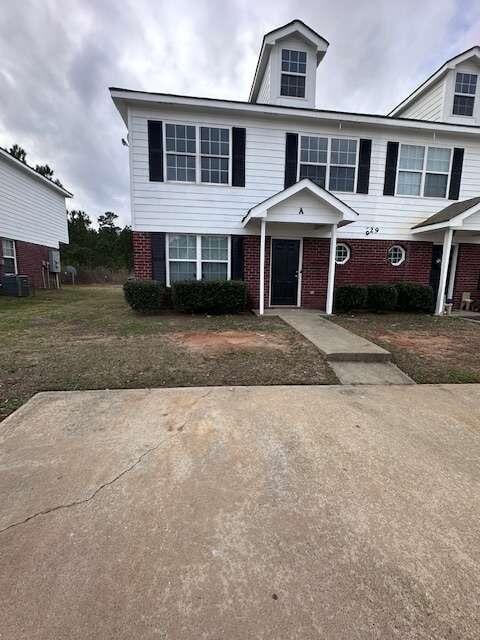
<point>57,59</point>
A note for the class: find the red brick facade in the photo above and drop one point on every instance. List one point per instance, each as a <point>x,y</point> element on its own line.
<point>367,264</point>
<point>251,257</point>
<point>30,259</point>
<point>142,255</point>
<point>467,275</point>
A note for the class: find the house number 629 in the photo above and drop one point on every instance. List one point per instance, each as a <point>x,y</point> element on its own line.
<point>371,230</point>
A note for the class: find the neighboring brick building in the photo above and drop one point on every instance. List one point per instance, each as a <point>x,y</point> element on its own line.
<point>33,221</point>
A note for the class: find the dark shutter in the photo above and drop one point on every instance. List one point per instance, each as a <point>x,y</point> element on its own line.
<point>239,135</point>
<point>291,159</point>
<point>158,257</point>
<point>456,175</point>
<point>155,150</point>
<point>237,258</point>
<point>390,169</point>
<point>363,176</point>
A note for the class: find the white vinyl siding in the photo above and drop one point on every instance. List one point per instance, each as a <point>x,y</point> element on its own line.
<point>428,106</point>
<point>219,209</point>
<point>265,88</point>
<point>30,210</point>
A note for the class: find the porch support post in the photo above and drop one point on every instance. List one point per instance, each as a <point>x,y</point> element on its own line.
<point>262,266</point>
<point>331,269</point>
<point>453,271</point>
<point>447,245</point>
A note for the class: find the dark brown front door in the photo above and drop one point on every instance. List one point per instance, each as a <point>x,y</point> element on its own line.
<point>285,256</point>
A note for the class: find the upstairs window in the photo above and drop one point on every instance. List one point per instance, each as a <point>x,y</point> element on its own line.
<point>181,147</point>
<point>465,90</point>
<point>329,161</point>
<point>343,159</point>
<point>294,71</point>
<point>215,154</point>
<point>423,171</point>
<point>9,257</point>
<point>197,154</point>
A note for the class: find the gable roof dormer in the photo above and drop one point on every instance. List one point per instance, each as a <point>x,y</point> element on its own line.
<point>450,94</point>
<point>287,66</point>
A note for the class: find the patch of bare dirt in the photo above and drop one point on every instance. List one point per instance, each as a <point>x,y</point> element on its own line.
<point>228,340</point>
<point>423,344</point>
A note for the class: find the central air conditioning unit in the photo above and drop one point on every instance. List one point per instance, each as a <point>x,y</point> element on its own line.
<point>18,286</point>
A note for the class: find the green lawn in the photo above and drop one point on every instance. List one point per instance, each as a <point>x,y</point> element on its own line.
<point>88,338</point>
<point>430,349</point>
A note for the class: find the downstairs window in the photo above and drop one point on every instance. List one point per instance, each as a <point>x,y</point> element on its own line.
<point>9,257</point>
<point>197,257</point>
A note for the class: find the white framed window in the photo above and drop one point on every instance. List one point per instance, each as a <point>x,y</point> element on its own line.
<point>9,257</point>
<point>294,72</point>
<point>342,253</point>
<point>423,171</point>
<point>214,155</point>
<point>396,255</point>
<point>181,147</point>
<point>331,161</point>
<point>464,97</point>
<point>215,257</point>
<point>197,257</point>
<point>198,154</point>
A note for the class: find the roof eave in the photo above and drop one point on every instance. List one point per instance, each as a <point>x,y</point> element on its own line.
<point>121,97</point>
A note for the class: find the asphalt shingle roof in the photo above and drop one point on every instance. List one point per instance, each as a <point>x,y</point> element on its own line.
<point>448,213</point>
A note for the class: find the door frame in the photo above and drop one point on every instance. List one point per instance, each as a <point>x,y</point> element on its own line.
<point>300,268</point>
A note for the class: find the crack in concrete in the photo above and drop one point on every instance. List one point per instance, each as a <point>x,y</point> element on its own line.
<point>131,467</point>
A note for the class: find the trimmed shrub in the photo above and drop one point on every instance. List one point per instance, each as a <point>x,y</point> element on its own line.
<point>381,297</point>
<point>349,297</point>
<point>205,296</point>
<point>146,296</point>
<point>414,297</point>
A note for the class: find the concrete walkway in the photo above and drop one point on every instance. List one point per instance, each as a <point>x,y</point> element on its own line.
<point>283,513</point>
<point>354,359</point>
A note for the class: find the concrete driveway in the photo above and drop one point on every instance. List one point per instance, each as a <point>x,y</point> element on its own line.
<point>276,513</point>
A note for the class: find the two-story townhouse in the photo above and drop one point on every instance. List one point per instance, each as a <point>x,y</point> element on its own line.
<point>295,199</point>
<point>33,221</point>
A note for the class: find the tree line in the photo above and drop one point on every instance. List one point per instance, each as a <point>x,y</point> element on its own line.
<point>43,169</point>
<point>108,246</point>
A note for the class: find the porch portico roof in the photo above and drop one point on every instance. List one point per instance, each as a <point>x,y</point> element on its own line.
<point>463,215</point>
<point>303,202</point>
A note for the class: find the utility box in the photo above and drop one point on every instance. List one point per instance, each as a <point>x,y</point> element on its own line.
<point>18,286</point>
<point>54,260</point>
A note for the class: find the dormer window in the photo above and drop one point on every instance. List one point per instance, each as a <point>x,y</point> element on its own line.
<point>294,71</point>
<point>464,98</point>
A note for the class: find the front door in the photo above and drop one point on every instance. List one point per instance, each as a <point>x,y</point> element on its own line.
<point>284,284</point>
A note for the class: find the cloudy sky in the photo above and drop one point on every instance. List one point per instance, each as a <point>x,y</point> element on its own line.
<point>57,59</point>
